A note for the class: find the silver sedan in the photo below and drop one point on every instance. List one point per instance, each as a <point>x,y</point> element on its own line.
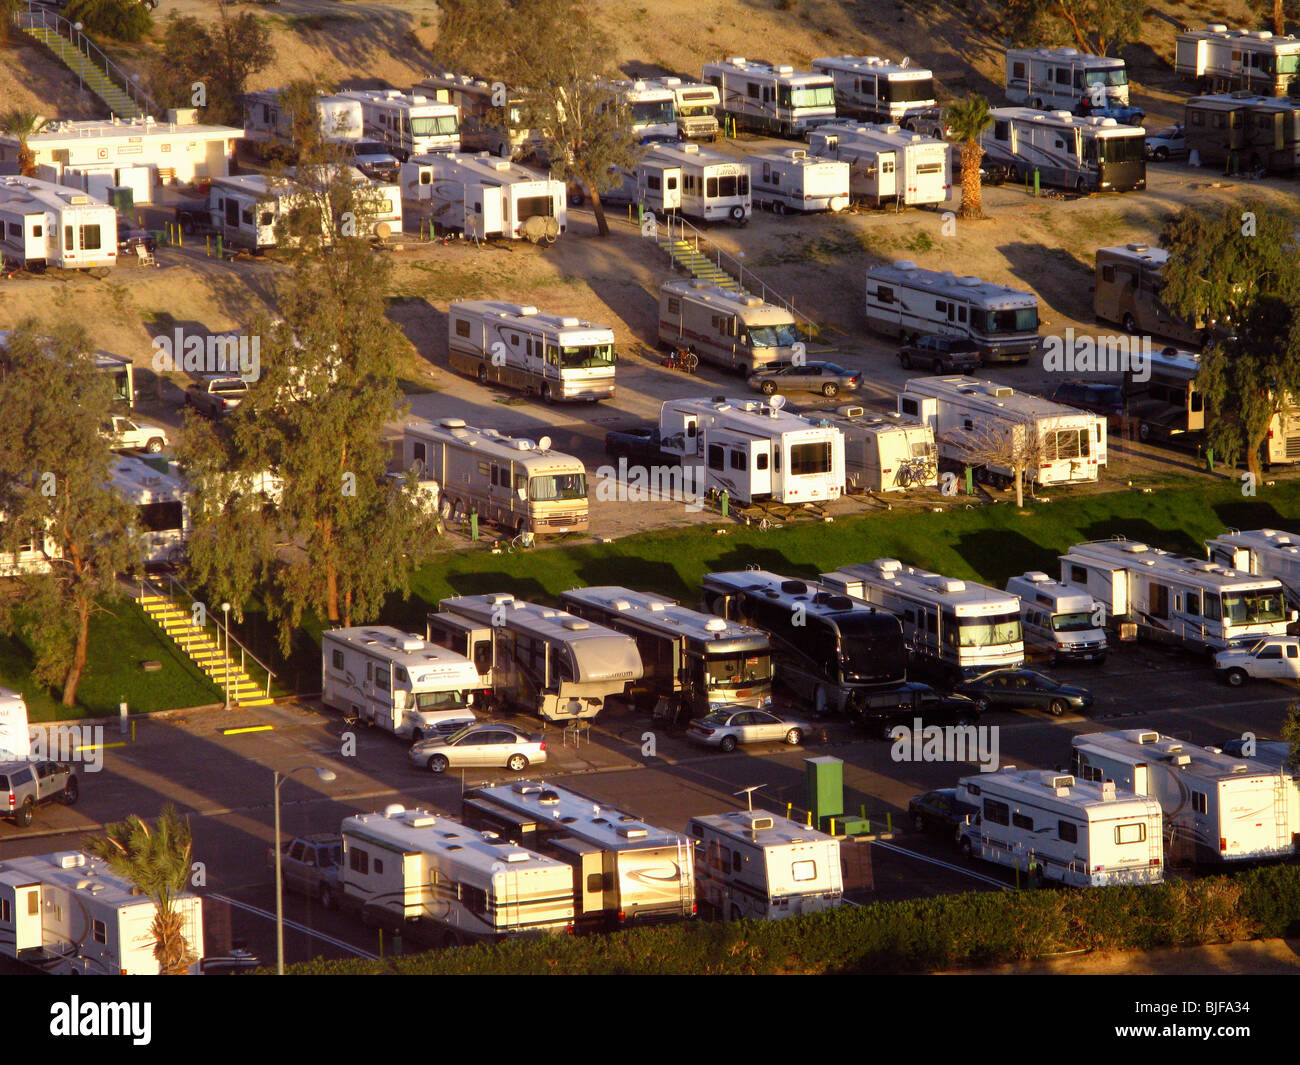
<point>824,377</point>
<point>725,729</point>
<point>501,746</point>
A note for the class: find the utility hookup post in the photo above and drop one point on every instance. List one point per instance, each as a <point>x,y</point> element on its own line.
<point>123,712</point>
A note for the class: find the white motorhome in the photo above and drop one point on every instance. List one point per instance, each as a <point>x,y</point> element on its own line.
<point>1060,621</point>
<point>1223,60</point>
<point>651,109</point>
<point>755,451</point>
<point>68,914</point>
<point>483,196</point>
<point>697,108</point>
<point>160,504</point>
<point>490,113</point>
<point>883,452</point>
<point>754,864</point>
<point>696,183</point>
<point>15,740</point>
<point>246,210</point>
<point>625,871</point>
<point>771,99</point>
<point>954,628</point>
<point>558,666</point>
<point>878,90</point>
<point>34,553</point>
<point>1263,552</point>
<point>906,301</point>
<point>554,357</point>
<point>268,123</point>
<point>466,886</point>
<point>1086,154</point>
<point>793,181</point>
<point>1051,78</point>
<point>887,163</point>
<point>43,224</point>
<point>1078,832</point>
<point>521,485</point>
<point>407,123</point>
<point>1227,808</point>
<point>732,329</point>
<point>1201,605</point>
<point>974,420</point>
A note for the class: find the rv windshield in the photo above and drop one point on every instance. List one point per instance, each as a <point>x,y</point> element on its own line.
<point>1253,607</point>
<point>871,648</point>
<point>991,630</point>
<point>906,92</point>
<point>735,671</point>
<point>1079,622</point>
<point>441,700</point>
<point>1020,320</point>
<point>1126,149</point>
<point>1111,76</point>
<point>557,486</point>
<point>773,336</point>
<point>810,96</point>
<point>587,356</point>
<point>653,113</point>
<point>433,125</point>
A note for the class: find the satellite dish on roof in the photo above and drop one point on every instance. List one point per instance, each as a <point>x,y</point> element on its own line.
<point>776,402</point>
<point>544,443</point>
<point>749,793</point>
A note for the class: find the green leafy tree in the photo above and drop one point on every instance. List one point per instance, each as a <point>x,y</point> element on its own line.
<point>122,20</point>
<point>969,118</point>
<point>1099,27</point>
<point>1277,12</point>
<point>23,124</point>
<point>219,56</point>
<point>9,10</point>
<point>1291,733</point>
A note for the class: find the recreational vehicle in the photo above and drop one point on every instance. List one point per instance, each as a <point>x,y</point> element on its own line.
<point>396,681</point>
<point>1240,131</point>
<point>905,301</point>
<point>1223,60</point>
<point>877,90</point>
<point>1127,292</point>
<point>1052,78</point>
<point>975,422</point>
<point>651,109</point>
<point>269,124</point>
<point>521,485</point>
<point>1091,154</point>
<point>755,451</point>
<point>547,355</point>
<point>771,99</point>
<point>625,871</point>
<point>558,666</point>
<point>1200,605</point>
<point>698,661</point>
<point>482,196</point>
<point>246,210</point>
<point>1061,622</point>
<point>43,224</point>
<point>462,885</point>
<point>1263,552</point>
<point>490,114</point>
<point>954,628</point>
<point>753,864</point>
<point>15,740</point>
<point>883,452</point>
<point>696,183</point>
<point>830,648</point>
<point>732,329</point>
<point>407,123</point>
<point>886,163</point>
<point>793,181</point>
<point>1275,136</point>
<point>697,108</point>
<point>68,914</point>
<point>1226,808</point>
<point>120,371</point>
<point>160,505</point>
<point>1078,832</point>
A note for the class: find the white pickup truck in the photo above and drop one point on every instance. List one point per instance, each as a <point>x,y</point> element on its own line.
<point>1275,658</point>
<point>128,435</point>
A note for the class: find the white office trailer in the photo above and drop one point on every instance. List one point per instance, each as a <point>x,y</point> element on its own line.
<point>1052,78</point>
<point>1200,605</point>
<point>407,123</point>
<point>69,914</point>
<point>1224,809</point>
<point>954,628</point>
<point>755,451</point>
<point>1223,60</point>
<point>522,485</point>
<point>1086,154</point>
<point>734,330</point>
<point>883,452</point>
<point>160,508</point>
<point>1262,552</point>
<point>651,109</point>
<point>878,90</point>
<point>491,115</point>
<point>1079,833</point>
<point>772,99</point>
<point>554,357</point>
<point>887,163</point>
<point>697,108</point>
<point>907,302</point>
<point>411,867</point>
<point>483,196</point>
<point>43,224</point>
<point>269,123</point>
<point>15,738</point>
<point>755,864</point>
<point>699,184</point>
<point>794,181</point>
<point>544,660</point>
<point>1062,622</point>
<point>993,427</point>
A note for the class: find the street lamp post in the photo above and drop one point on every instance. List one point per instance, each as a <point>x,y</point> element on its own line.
<point>325,775</point>
<point>225,609</point>
<point>77,26</point>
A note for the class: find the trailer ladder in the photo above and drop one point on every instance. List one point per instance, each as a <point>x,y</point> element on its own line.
<point>1281,811</point>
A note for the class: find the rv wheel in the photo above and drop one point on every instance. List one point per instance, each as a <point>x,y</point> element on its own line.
<point>1129,323</point>
<point>1235,677</point>
<point>966,849</point>
<point>830,390</point>
<point>1038,103</point>
<point>738,215</point>
<point>1079,187</point>
<point>326,897</point>
<point>1056,707</point>
<point>768,388</point>
<point>438,763</point>
<point>546,394</point>
<point>982,704</point>
<point>779,207</point>
<point>728,744</point>
<point>482,374</point>
<point>1144,431</point>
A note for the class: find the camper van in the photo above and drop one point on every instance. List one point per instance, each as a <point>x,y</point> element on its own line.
<point>160,505</point>
<point>696,183</point>
<point>625,871</point>
<point>877,90</point>
<point>490,114</point>
<point>1062,78</point>
<point>886,163</point>
<point>1171,599</point>
<point>1079,833</point>
<point>15,740</point>
<point>754,864</point>
<point>396,681</point>
<point>1223,60</point>
<point>1224,809</point>
<point>755,451</point>
<point>1127,292</point>
<point>905,301</point>
<point>1061,622</point>
<point>1262,552</point>
<point>651,109</point>
<point>700,662</point>
<point>1090,154</point>
<point>407,123</point>
<point>770,99</point>
<point>547,661</point>
<point>245,210</point>
<point>697,108</point>
<point>551,356</point>
<point>732,329</point>
<point>521,485</point>
<point>43,224</point>
<point>482,196</point>
<point>883,452</point>
<point>793,181</point>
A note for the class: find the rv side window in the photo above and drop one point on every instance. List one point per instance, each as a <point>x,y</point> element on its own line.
<point>1067,832</point>
<point>717,457</point>
<point>1200,802</point>
<point>760,461</point>
<point>426,177</point>
<point>736,861</point>
<point>1108,274</point>
<point>737,460</point>
<point>803,871</point>
<point>6,912</point>
<point>1018,70</point>
<point>1001,130</point>
<point>90,238</point>
<point>910,406</point>
<point>751,90</point>
<point>462,327</point>
<point>654,182</point>
<point>941,306</point>
<point>420,455</point>
<point>381,679</point>
<point>1021,821</point>
<point>358,860</point>
<point>1078,575</point>
<point>1192,605</point>
<point>674,305</point>
<point>99,931</point>
<point>968,425</point>
<point>483,656</point>
<point>338,659</point>
<point>1212,608</point>
<point>884,294</point>
<point>67,238</point>
<point>1134,833</point>
<point>997,812</point>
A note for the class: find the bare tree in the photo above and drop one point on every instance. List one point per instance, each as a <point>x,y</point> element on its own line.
<point>1005,453</point>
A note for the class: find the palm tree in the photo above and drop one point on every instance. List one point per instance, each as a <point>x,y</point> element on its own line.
<point>968,120</point>
<point>23,124</point>
<point>157,862</point>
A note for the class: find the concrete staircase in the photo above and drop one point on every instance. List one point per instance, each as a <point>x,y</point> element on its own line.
<point>93,76</point>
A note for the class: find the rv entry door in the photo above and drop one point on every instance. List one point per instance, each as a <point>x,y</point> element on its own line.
<point>483,214</point>
<point>659,186</point>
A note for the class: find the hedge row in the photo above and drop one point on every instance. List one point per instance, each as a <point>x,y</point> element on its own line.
<point>949,931</point>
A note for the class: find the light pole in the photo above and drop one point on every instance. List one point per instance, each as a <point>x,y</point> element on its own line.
<point>225,609</point>
<point>325,775</point>
<point>77,26</point>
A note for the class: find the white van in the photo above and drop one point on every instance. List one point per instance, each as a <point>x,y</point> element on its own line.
<point>1062,621</point>
<point>15,743</point>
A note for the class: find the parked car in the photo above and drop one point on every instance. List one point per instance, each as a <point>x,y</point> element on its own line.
<point>1167,143</point>
<point>941,354</point>
<point>940,810</point>
<point>236,963</point>
<point>882,712</point>
<point>502,746</point>
<point>1277,658</point>
<point>125,434</point>
<point>194,218</point>
<point>310,865</point>
<point>1021,688</point>
<point>639,445</point>
<point>727,728</point>
<point>1106,400</point>
<point>130,234</point>
<point>991,172</point>
<point>216,396</point>
<point>26,785</point>
<point>1124,114</point>
<point>823,377</point>
<point>373,159</point>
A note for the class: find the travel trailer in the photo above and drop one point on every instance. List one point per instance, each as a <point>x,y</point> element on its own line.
<point>954,628</point>
<point>883,452</point>
<point>887,163</point>
<point>454,882</point>
<point>246,210</point>
<point>268,123</point>
<point>1275,136</point>
<point>1262,552</point>
<point>684,179</point>
<point>1226,809</point>
<point>1127,292</point>
<point>770,99</point>
<point>755,451</point>
<point>754,864</point>
<point>1079,833</point>
<point>830,647</point>
<point>551,356</point>
<point>625,871</point>
<point>120,371</point>
<point>1062,78</point>
<point>407,123</point>
<point>482,196</point>
<point>1061,622</point>
<point>44,225</point>
<point>547,661</point>
<point>651,109</point>
<point>732,329</point>
<point>490,114</point>
<point>160,505</point>
<point>69,914</point>
<point>794,181</point>
<point>877,90</point>
<point>15,741</point>
<point>978,423</point>
<point>697,108</point>
<point>1223,60</point>
<point>521,485</point>
<point>396,681</point>
<point>699,662</point>
<point>1171,599</point>
<point>1243,132</point>
<point>1089,154</point>
<point>908,302</point>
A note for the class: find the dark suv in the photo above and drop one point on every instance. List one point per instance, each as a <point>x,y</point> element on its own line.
<point>1106,400</point>
<point>881,711</point>
<point>27,785</point>
<point>941,354</point>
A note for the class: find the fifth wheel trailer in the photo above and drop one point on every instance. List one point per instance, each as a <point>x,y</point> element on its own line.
<point>483,196</point>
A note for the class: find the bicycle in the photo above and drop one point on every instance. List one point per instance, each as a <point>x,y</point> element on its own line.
<point>681,359</point>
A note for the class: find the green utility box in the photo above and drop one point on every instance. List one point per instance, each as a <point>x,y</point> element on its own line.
<point>825,776</point>
<point>121,198</point>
